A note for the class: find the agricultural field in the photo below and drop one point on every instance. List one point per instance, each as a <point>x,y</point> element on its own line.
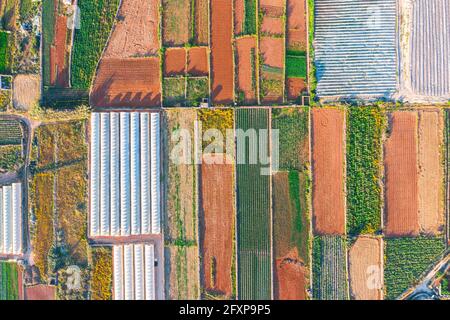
<point>27,91</point>
<point>182,263</point>
<point>414,186</point>
<point>89,41</point>
<point>201,22</point>
<point>176,22</point>
<point>406,260</point>
<point>253,213</point>
<point>11,154</point>
<point>247,70</point>
<point>291,209</point>
<point>328,171</point>
<point>10,281</point>
<point>5,52</point>
<point>329,268</point>
<point>58,204</point>
<point>365,130</point>
<point>101,273</point>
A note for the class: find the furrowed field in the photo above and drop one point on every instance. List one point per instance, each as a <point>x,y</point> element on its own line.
<point>96,23</point>
<point>253,203</point>
<point>406,260</point>
<point>365,128</point>
<point>291,187</point>
<point>329,268</point>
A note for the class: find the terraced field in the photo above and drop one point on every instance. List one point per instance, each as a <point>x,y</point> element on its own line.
<point>253,203</point>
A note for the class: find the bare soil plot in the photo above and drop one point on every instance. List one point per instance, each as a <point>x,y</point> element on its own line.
<point>430,183</point>
<point>272,25</point>
<point>295,86</point>
<point>328,171</point>
<point>176,22</point>
<point>222,71</point>
<point>201,35</point>
<point>175,62</point>
<point>296,25</point>
<point>401,174</point>
<point>27,91</point>
<point>366,268</point>
<point>246,68</point>
<point>217,227</point>
<point>40,292</point>
<point>127,82</point>
<point>290,276</point>
<point>239,16</point>
<point>274,8</point>
<point>59,72</point>
<point>272,51</point>
<point>197,64</point>
<point>135,32</point>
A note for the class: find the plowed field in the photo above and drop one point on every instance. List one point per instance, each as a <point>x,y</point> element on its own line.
<point>175,62</point>
<point>328,171</point>
<point>245,60</point>
<point>197,64</point>
<point>296,24</point>
<point>402,217</point>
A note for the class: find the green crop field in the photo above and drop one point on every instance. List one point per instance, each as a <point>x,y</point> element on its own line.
<point>5,56</point>
<point>329,268</point>
<point>250,17</point>
<point>96,22</point>
<point>174,91</point>
<point>365,127</point>
<point>296,64</point>
<point>10,132</point>
<point>253,203</point>
<point>48,32</point>
<point>197,89</point>
<point>9,282</point>
<point>406,260</point>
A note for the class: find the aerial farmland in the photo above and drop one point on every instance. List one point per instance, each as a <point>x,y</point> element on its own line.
<point>224,150</point>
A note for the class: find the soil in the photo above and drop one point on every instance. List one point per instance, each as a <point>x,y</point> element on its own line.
<point>175,62</point>
<point>239,16</point>
<point>59,72</point>
<point>401,174</point>
<point>328,171</point>
<point>135,32</point>
<point>430,183</point>
<point>272,26</point>
<point>222,77</point>
<point>202,22</point>
<point>127,82</point>
<point>27,91</point>
<point>176,22</point>
<point>290,278</point>
<point>40,292</point>
<point>296,24</point>
<point>295,87</point>
<point>217,225</point>
<point>366,269</point>
<point>245,70</point>
<point>198,62</point>
<point>272,51</point>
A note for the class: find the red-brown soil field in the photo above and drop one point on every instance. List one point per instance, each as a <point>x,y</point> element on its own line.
<point>295,87</point>
<point>366,269</point>
<point>296,24</point>
<point>222,75</point>
<point>328,171</point>
<point>273,8</point>
<point>245,82</point>
<point>40,292</point>
<point>175,62</point>
<point>135,34</point>
<point>272,50</point>
<point>401,174</point>
<point>127,82</point>
<point>430,184</point>
<point>59,73</point>
<point>272,25</point>
<point>290,279</point>
<point>198,62</point>
<point>239,7</point>
<point>201,22</point>
<point>216,227</point>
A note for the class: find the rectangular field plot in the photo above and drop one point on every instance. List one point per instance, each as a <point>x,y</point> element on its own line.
<point>330,268</point>
<point>176,24</point>
<point>430,48</point>
<point>245,58</point>
<point>253,205</point>
<point>356,48</point>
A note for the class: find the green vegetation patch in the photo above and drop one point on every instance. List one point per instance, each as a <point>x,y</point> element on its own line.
<point>48,33</point>
<point>5,52</point>
<point>174,91</point>
<point>365,128</point>
<point>406,260</point>
<point>9,281</point>
<point>96,22</point>
<point>10,158</point>
<point>296,64</point>
<point>250,17</point>
<point>101,275</point>
<point>197,89</point>
<point>329,268</point>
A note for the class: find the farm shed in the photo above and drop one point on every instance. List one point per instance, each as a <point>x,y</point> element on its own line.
<point>11,219</point>
<point>125,174</point>
<point>355,43</point>
<point>134,272</point>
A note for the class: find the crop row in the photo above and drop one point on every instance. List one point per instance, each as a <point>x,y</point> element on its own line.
<point>10,132</point>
